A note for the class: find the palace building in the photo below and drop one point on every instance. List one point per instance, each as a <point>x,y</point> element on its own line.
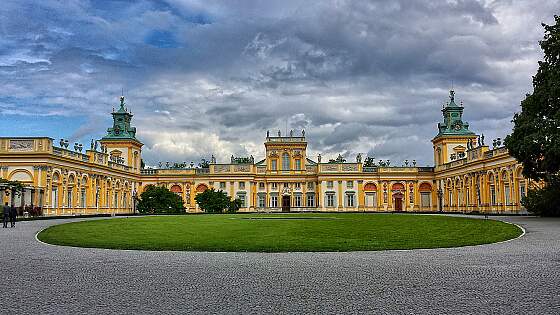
<point>63,179</point>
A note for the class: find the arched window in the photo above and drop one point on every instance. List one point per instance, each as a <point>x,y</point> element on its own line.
<point>285,162</point>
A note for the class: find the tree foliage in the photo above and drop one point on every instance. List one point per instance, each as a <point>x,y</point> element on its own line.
<point>14,186</point>
<point>160,200</point>
<point>216,201</point>
<point>544,201</point>
<point>535,140</point>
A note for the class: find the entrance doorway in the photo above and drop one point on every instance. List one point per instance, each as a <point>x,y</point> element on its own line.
<point>398,201</point>
<point>285,203</point>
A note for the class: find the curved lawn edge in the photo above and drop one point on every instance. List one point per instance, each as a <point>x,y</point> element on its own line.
<point>518,233</point>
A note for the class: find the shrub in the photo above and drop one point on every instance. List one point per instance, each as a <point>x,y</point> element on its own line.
<point>160,200</point>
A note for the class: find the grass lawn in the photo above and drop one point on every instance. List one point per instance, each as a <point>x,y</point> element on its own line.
<point>280,232</point>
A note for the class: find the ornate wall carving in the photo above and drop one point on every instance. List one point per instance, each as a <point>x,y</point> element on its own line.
<point>21,145</point>
<point>221,169</point>
<point>242,168</point>
<point>349,167</point>
<point>329,167</point>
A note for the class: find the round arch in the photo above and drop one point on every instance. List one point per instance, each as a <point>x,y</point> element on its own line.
<point>84,179</point>
<point>56,177</point>
<point>176,189</point>
<point>201,188</point>
<point>425,187</point>
<point>21,175</point>
<point>370,187</point>
<point>71,179</point>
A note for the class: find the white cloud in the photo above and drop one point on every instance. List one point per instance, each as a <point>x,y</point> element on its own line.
<point>359,76</point>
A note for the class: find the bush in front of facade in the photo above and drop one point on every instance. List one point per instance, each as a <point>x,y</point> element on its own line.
<point>159,200</point>
<point>544,201</point>
<point>212,201</point>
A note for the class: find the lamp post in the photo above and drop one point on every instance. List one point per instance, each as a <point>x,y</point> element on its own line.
<point>440,197</point>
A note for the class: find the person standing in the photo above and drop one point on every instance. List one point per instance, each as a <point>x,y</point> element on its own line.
<point>6,215</point>
<point>13,214</point>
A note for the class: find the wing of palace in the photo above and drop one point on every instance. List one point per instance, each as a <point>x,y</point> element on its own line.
<point>62,178</point>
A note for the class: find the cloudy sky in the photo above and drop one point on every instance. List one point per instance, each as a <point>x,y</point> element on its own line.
<point>211,77</point>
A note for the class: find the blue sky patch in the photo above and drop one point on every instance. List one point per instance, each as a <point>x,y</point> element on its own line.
<point>161,39</point>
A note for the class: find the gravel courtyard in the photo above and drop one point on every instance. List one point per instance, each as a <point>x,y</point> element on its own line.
<point>515,277</point>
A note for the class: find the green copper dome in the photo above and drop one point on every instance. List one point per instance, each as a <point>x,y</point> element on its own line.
<point>453,124</point>
<point>121,129</point>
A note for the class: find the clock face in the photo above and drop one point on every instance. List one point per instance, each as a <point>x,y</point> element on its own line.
<point>457,126</point>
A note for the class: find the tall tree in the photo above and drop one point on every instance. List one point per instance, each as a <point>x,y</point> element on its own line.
<point>535,140</point>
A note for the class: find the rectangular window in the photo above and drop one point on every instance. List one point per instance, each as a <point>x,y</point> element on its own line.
<point>371,199</point>
<point>506,194</point>
<point>330,184</point>
<point>54,197</point>
<point>273,165</point>
<point>41,198</point>
<point>116,201</point>
<point>522,191</point>
<point>297,201</point>
<point>261,185</point>
<point>330,200</point>
<point>298,164</point>
<point>83,198</point>
<point>297,186</point>
<point>241,185</point>
<point>222,185</point>
<point>286,185</point>
<point>274,201</point>
<point>261,201</point>
<point>274,186</point>
<point>310,185</point>
<point>350,184</point>
<point>425,199</point>
<point>69,199</point>
<point>310,200</point>
<point>493,195</point>
<point>285,162</point>
<point>242,198</point>
<point>350,200</point>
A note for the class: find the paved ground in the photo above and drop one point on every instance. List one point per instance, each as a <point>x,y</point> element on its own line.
<point>517,277</point>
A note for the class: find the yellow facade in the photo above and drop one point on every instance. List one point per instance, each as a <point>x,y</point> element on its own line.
<point>465,178</point>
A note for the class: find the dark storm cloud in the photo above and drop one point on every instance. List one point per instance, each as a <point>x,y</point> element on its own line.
<point>210,77</point>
